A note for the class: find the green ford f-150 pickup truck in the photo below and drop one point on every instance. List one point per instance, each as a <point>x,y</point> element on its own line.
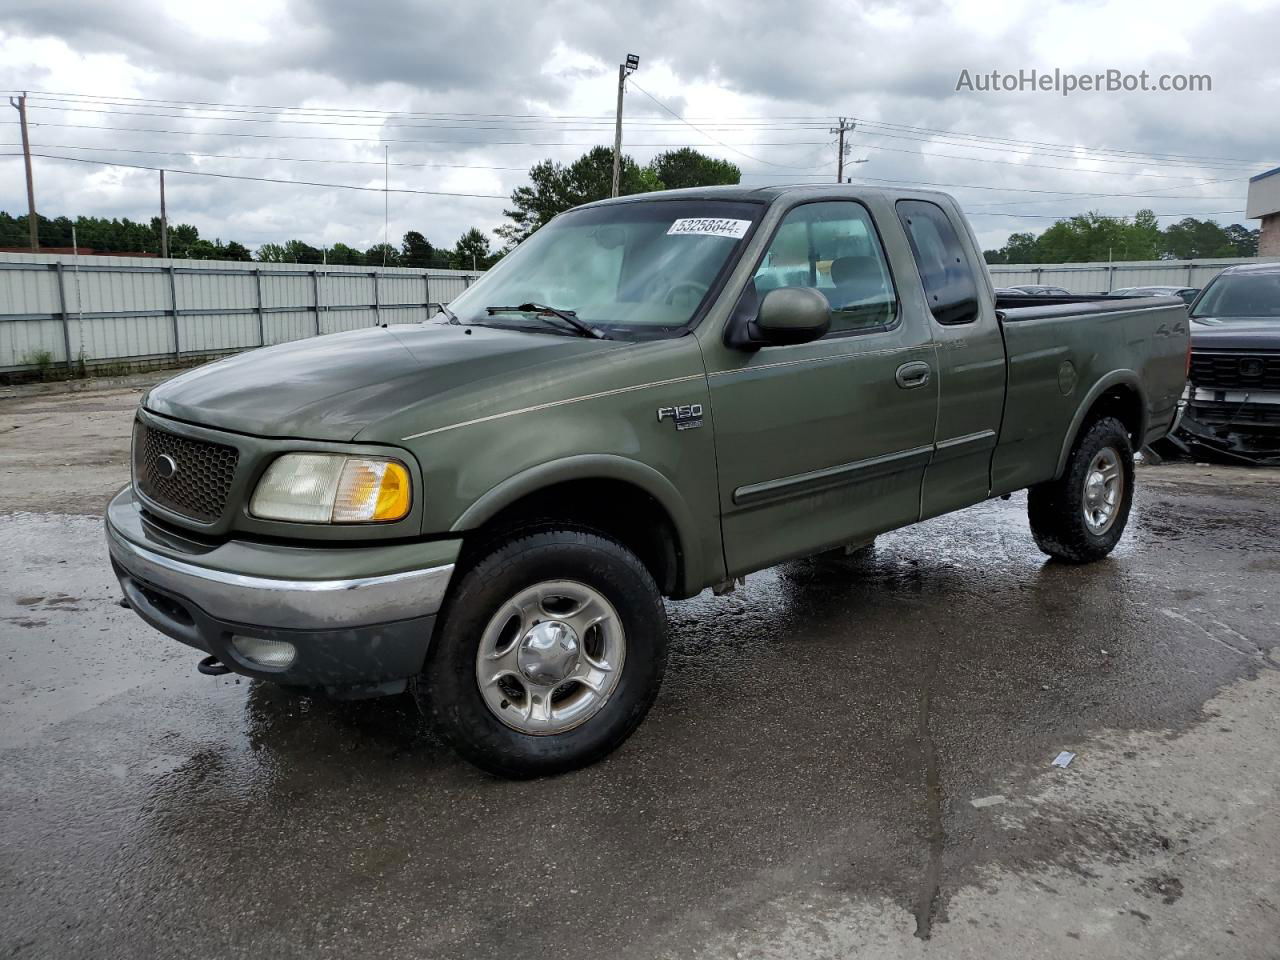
<point>650,396</point>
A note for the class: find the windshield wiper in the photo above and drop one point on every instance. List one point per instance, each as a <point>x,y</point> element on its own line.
<point>453,317</point>
<point>543,312</point>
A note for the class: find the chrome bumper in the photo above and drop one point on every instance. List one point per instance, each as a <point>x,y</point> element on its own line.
<point>291,604</point>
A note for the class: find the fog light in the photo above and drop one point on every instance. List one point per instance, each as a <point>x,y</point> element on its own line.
<point>265,653</point>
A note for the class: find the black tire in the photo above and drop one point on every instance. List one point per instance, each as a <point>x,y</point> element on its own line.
<point>447,690</point>
<point>1057,509</point>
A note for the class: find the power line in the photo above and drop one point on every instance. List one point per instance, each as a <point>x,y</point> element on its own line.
<point>1043,143</point>
<point>484,196</point>
<point>768,163</point>
<point>474,142</point>
<point>297,183</point>
<point>814,122</point>
<point>234,156</point>
<point>1016,163</point>
<point>328,160</point>
<point>357,111</point>
<point>1066,153</point>
<point>562,143</point>
<point>1054,194</point>
<point>548,124</point>
<point>532,123</point>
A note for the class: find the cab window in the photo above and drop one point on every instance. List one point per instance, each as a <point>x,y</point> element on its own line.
<point>832,247</point>
<point>948,281</point>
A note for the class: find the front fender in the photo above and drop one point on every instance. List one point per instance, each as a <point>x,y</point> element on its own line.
<point>602,467</point>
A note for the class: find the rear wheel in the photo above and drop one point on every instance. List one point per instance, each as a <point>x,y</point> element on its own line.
<point>1081,516</point>
<point>550,653</point>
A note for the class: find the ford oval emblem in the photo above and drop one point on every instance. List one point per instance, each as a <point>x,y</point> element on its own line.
<point>166,467</point>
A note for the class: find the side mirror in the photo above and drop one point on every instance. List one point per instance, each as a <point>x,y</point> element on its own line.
<point>790,315</point>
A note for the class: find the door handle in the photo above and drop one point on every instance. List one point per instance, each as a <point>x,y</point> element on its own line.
<point>914,374</point>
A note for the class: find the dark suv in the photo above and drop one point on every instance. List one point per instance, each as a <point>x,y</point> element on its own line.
<point>1233,400</point>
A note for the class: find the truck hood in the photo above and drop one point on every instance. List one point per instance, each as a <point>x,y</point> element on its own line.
<point>333,387</point>
<point>1236,333</point>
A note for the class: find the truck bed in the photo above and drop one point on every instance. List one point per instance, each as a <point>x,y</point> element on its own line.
<point>1062,353</point>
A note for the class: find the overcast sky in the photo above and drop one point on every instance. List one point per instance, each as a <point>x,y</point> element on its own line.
<point>741,72</point>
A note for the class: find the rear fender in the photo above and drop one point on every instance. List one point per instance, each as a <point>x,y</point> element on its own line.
<point>1117,378</point>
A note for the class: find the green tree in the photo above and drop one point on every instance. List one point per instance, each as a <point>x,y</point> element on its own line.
<point>182,237</point>
<point>1019,248</point>
<point>235,251</point>
<point>345,256</point>
<point>555,187</point>
<point>416,251</point>
<point>471,252</point>
<point>1243,239</point>
<point>202,250</point>
<point>1190,238</point>
<point>687,167</point>
<point>271,253</point>
<point>382,254</point>
<point>298,252</point>
<point>1143,240</point>
<point>1082,238</point>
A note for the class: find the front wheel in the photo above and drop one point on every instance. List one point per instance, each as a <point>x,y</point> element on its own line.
<point>1081,516</point>
<point>550,653</point>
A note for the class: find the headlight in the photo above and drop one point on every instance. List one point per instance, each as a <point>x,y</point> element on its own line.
<point>332,488</point>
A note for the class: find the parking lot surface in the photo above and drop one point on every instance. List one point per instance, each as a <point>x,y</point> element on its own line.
<point>848,758</point>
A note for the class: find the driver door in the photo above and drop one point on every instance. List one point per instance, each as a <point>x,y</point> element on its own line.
<point>823,443</point>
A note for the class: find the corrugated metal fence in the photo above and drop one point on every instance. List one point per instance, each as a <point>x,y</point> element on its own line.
<point>1105,277</point>
<point>58,310</point>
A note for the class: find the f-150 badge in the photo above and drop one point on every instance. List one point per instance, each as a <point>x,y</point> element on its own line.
<point>685,417</point>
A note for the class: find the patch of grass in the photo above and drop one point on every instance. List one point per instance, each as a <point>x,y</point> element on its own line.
<point>42,360</point>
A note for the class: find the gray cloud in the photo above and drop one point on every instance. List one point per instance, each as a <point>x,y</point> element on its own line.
<point>885,61</point>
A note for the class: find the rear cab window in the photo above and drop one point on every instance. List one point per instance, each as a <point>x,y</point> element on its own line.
<point>940,258</point>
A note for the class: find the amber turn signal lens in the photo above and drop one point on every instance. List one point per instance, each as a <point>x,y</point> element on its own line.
<point>371,490</point>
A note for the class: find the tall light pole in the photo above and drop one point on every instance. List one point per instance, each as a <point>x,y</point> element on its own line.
<point>624,70</point>
<point>33,224</point>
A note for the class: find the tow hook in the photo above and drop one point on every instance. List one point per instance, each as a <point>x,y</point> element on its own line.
<point>212,667</point>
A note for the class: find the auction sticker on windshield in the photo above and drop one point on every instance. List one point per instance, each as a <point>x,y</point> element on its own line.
<point>709,227</point>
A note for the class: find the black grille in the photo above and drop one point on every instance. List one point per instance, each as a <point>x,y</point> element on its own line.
<point>199,485</point>
<point>1235,370</point>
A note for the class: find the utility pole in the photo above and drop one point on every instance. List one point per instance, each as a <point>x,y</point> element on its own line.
<point>845,127</point>
<point>164,222</point>
<point>624,70</point>
<point>386,202</point>
<point>33,224</point>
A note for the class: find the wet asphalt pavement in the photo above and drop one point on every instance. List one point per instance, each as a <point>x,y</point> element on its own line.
<point>804,786</point>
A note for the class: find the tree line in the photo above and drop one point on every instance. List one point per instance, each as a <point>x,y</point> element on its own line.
<point>555,187</point>
<point>1094,238</point>
<point>471,251</point>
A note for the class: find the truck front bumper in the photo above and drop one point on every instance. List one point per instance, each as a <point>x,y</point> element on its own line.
<point>357,619</point>
<point>1239,427</point>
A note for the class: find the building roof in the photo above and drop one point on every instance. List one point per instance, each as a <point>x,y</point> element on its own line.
<point>1264,195</point>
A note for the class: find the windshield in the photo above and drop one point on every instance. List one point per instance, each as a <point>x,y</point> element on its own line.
<point>637,269</point>
<point>1240,295</point>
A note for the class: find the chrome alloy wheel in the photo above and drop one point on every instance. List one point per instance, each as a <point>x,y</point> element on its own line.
<point>550,658</point>
<point>1103,491</point>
